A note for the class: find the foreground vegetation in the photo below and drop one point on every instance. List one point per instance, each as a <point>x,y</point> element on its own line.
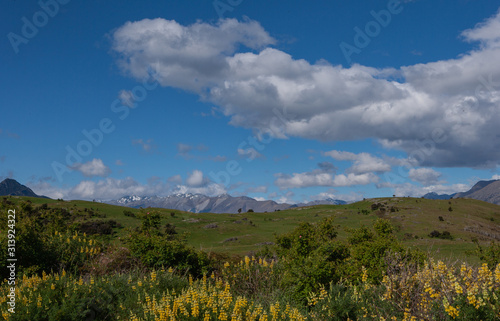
<point>79,263</point>
<point>433,292</point>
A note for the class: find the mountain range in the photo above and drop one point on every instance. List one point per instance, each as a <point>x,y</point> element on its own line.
<point>198,203</point>
<point>488,191</point>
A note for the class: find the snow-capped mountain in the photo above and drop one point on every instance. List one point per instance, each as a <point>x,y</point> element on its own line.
<point>198,203</point>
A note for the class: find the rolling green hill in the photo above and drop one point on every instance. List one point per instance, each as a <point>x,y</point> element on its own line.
<point>415,219</point>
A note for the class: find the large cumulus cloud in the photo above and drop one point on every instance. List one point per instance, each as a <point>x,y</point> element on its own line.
<point>232,65</point>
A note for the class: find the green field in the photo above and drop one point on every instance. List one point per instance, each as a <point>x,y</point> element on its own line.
<point>246,233</point>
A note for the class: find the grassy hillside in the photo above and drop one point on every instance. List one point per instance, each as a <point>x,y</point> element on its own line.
<point>369,270</point>
<point>415,219</point>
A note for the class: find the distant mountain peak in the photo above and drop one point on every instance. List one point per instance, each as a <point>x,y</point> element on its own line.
<point>10,186</point>
<point>436,196</point>
<point>488,191</point>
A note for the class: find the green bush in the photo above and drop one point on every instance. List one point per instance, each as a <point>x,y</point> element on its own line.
<point>445,235</point>
<point>156,248</point>
<point>487,254</point>
<point>369,249</point>
<point>33,251</point>
<point>311,257</point>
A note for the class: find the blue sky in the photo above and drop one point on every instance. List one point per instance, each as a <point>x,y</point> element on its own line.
<point>290,102</point>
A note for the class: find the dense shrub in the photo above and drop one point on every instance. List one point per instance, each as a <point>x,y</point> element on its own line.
<point>445,235</point>
<point>155,251</point>
<point>312,257</point>
<point>156,248</point>
<point>98,227</point>
<point>368,249</point>
<point>128,213</point>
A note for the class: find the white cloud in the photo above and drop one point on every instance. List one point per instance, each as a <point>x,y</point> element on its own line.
<point>210,189</point>
<point>354,179</point>
<point>363,162</point>
<point>91,168</point>
<point>197,179</point>
<point>424,176</point>
<point>111,188</point>
<point>190,57</point>
<point>321,178</point>
<point>366,163</point>
<point>341,155</point>
<point>46,189</point>
<point>485,32</point>
<point>408,189</point>
<point>496,176</point>
<point>459,96</point>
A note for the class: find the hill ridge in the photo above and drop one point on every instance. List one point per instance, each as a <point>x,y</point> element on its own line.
<point>12,187</point>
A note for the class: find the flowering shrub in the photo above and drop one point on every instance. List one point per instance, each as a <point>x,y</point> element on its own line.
<point>157,295</point>
<point>435,291</point>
